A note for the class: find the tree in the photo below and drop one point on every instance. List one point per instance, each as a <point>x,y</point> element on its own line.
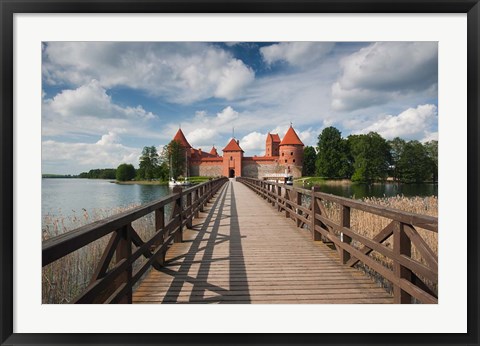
<point>432,151</point>
<point>414,165</point>
<point>333,156</point>
<point>99,173</point>
<point>396,149</point>
<point>371,155</point>
<point>125,172</point>
<point>175,155</point>
<point>162,171</point>
<point>148,163</point>
<point>309,158</point>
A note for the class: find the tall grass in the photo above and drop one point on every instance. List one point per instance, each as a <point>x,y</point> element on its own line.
<point>369,225</point>
<point>66,278</point>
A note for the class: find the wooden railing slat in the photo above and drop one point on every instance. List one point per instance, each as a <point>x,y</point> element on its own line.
<point>405,269</point>
<point>383,235</point>
<point>427,254</point>
<point>115,285</point>
<point>106,257</point>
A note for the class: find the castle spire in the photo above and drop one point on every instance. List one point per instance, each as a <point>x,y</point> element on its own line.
<point>180,138</point>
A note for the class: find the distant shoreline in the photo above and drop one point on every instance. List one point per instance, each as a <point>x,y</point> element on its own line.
<point>141,182</point>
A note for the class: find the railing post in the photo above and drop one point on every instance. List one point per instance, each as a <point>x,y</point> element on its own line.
<point>401,246</point>
<point>159,226</point>
<point>287,198</point>
<point>271,189</point>
<point>298,201</point>
<point>189,206</point>
<point>197,201</point>
<point>279,196</point>
<point>315,210</point>
<point>178,209</point>
<point>200,194</point>
<point>345,219</point>
<point>124,251</point>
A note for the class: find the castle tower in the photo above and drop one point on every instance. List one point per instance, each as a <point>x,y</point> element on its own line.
<point>272,145</point>
<point>232,159</point>
<point>291,153</point>
<point>180,138</point>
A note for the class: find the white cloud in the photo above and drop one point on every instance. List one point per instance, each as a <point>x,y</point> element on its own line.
<point>433,136</point>
<point>296,53</point>
<point>254,142</point>
<point>105,153</point>
<point>204,130</point>
<point>181,72</point>
<point>414,123</point>
<point>385,71</point>
<point>227,115</point>
<point>91,100</point>
<point>202,137</point>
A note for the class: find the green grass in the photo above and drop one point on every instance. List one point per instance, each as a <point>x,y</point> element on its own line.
<point>142,182</point>
<point>193,180</point>
<point>199,179</point>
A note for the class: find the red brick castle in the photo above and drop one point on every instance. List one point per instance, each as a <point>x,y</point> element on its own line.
<point>281,156</point>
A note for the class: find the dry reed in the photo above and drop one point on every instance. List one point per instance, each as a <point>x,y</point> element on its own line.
<point>66,278</point>
<point>369,225</point>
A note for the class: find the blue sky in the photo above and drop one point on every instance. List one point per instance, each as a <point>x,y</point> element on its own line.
<point>102,102</point>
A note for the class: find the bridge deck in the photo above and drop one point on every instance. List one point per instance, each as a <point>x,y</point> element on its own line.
<point>242,251</point>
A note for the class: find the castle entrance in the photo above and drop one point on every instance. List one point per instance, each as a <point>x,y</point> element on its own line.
<point>231,173</point>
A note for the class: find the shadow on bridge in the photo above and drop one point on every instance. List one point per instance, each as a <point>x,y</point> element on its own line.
<point>214,265</point>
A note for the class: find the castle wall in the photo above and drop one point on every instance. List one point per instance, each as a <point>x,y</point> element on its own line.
<point>207,168</point>
<point>258,169</point>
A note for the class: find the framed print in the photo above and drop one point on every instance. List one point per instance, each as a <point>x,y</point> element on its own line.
<point>239,172</point>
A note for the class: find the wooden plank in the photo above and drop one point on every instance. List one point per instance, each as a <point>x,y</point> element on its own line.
<point>242,251</point>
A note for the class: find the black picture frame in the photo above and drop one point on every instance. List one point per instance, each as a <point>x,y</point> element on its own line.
<point>9,7</point>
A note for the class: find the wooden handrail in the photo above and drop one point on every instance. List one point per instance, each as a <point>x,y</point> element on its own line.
<point>113,284</point>
<point>407,274</point>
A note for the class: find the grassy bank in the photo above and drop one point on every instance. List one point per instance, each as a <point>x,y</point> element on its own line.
<point>193,180</point>
<point>142,182</point>
<point>309,181</point>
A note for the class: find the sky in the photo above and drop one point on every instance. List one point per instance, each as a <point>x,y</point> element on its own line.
<point>102,102</point>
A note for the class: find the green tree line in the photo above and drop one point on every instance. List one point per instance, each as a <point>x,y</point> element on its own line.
<point>99,173</point>
<point>369,157</point>
<point>152,166</point>
<point>156,166</point>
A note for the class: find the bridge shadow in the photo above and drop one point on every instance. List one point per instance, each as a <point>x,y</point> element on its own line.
<point>228,284</point>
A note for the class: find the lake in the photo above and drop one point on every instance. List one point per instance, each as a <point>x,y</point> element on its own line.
<point>67,197</point>
<point>359,191</point>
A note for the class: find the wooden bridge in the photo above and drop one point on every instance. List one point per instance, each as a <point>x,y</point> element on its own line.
<point>252,241</point>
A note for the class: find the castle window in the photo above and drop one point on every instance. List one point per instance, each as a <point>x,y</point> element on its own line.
<point>293,160</point>
<point>291,153</point>
<point>231,158</point>
<point>283,154</point>
<point>285,161</point>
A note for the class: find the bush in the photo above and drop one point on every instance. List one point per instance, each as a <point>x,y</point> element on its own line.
<point>125,172</point>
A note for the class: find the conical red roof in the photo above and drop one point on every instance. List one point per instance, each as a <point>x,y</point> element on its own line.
<point>180,138</point>
<point>232,146</point>
<point>214,151</point>
<point>291,138</point>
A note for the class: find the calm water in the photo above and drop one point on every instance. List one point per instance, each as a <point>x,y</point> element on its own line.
<point>359,191</point>
<point>65,197</point>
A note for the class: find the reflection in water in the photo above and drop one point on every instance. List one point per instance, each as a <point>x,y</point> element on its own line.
<point>359,191</point>
<point>66,197</point>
